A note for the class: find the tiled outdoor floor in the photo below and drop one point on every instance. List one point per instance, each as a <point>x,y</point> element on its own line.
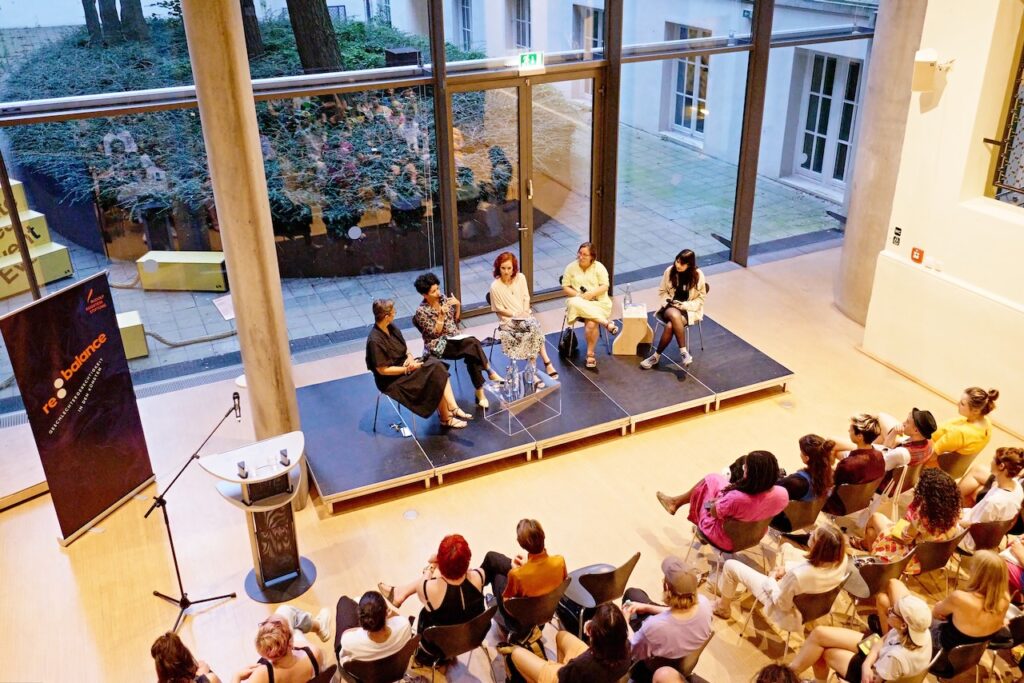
<point>669,197</point>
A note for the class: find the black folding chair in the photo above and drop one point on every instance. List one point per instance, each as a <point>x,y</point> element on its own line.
<point>387,670</point>
<point>325,676</point>
<point>448,642</point>
<point>951,664</point>
<point>934,555</point>
<point>530,613</point>
<point>591,586</point>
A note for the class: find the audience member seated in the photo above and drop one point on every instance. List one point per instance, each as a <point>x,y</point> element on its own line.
<point>1013,558</point>
<point>906,650</point>
<point>821,569</point>
<point>931,516</point>
<point>520,333</point>
<point>303,621</point>
<point>776,673</point>
<point>976,613</point>
<point>713,499</point>
<point>451,592</point>
<point>1002,500</point>
<point>814,480</point>
<point>369,631</point>
<point>969,433</point>
<point>285,655</point>
<point>535,575</point>
<point>175,664</point>
<point>605,661</point>
<point>976,484</point>
<point>674,630</point>
<point>422,386</point>
<point>585,282</point>
<point>683,289</point>
<point>910,439</point>
<point>437,319</point>
<point>861,465</point>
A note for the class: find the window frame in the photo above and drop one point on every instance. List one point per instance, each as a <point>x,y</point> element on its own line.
<point>837,103</point>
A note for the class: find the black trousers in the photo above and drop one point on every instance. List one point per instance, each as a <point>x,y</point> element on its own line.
<point>471,351</point>
<point>346,616</point>
<point>496,568</point>
<point>641,673</point>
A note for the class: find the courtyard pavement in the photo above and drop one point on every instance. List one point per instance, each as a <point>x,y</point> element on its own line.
<point>669,197</point>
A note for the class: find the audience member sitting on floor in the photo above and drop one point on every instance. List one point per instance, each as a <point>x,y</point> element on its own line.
<point>821,569</point>
<point>605,661</point>
<point>422,386</point>
<point>369,631</point>
<point>437,319</point>
<point>536,574</point>
<point>585,282</point>
<point>861,465</point>
<point>175,664</point>
<point>931,516</point>
<point>811,482</point>
<point>975,613</point>
<point>682,289</point>
<point>674,630</point>
<point>969,433</point>
<point>713,499</point>
<point>981,478</point>
<point>518,328</point>
<point>906,650</point>
<point>1002,500</point>
<point>285,655</point>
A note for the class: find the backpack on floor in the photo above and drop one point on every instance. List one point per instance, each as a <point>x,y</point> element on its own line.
<point>568,345</point>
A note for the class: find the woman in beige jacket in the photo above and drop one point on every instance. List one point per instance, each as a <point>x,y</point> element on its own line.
<point>683,289</point>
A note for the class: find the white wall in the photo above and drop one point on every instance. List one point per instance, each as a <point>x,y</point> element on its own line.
<point>959,324</point>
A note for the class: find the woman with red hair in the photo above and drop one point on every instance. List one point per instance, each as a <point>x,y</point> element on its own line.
<point>519,330</point>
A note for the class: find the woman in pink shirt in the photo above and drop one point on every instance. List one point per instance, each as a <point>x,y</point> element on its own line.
<point>752,498</point>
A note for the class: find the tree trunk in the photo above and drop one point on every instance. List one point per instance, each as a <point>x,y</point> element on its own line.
<point>112,33</point>
<point>314,35</point>
<point>251,25</point>
<point>133,20</point>
<point>92,22</point>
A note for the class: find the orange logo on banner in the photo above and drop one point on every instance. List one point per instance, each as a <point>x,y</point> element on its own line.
<point>917,255</point>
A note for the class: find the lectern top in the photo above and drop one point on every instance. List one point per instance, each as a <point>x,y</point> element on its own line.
<point>262,459</point>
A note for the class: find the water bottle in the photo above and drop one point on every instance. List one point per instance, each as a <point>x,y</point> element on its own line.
<point>627,300</point>
<point>510,381</point>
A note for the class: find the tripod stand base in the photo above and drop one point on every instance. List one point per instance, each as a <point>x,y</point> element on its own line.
<point>285,590</point>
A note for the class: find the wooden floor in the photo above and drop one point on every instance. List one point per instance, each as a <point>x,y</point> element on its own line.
<point>86,613</point>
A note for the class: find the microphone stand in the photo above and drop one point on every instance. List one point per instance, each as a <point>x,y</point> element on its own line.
<point>159,501</point>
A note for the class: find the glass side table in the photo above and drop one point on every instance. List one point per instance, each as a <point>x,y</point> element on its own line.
<point>522,403</point>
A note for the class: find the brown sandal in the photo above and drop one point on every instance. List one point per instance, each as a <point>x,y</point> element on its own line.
<point>591,360</point>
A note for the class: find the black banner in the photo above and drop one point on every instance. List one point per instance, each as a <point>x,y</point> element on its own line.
<point>70,366</point>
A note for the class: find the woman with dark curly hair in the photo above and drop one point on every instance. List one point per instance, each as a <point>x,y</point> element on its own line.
<point>754,497</point>
<point>932,516</point>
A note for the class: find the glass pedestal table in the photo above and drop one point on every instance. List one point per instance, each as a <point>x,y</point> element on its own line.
<point>530,398</point>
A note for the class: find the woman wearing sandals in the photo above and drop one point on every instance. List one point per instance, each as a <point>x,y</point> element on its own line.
<point>422,386</point>
<point>520,332</point>
<point>683,289</point>
<point>585,282</point>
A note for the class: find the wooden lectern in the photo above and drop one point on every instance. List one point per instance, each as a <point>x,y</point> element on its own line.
<point>256,479</point>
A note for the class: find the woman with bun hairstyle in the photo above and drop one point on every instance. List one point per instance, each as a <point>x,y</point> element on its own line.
<point>969,433</point>
<point>811,482</point>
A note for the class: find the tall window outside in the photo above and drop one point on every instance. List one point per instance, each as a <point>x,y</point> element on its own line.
<point>691,87</point>
<point>466,24</point>
<point>521,24</point>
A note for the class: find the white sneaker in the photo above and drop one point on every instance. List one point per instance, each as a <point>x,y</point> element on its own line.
<point>323,622</point>
<point>650,362</point>
<point>687,358</point>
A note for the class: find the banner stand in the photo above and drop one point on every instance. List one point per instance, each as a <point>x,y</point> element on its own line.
<point>65,542</point>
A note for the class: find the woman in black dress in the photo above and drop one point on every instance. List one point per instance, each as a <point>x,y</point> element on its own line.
<point>422,386</point>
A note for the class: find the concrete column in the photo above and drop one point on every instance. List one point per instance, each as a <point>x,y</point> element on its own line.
<point>216,45</point>
<point>882,124</point>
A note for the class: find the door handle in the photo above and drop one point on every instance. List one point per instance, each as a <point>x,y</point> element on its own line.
<point>529,189</point>
<point>520,227</point>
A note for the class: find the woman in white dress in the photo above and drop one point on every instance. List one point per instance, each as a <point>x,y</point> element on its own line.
<point>585,282</point>
<point>520,333</point>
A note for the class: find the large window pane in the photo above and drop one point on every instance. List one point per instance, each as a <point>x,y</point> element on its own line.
<point>497,31</point>
<point>807,143</point>
<point>676,190</point>
<point>665,22</point>
<point>130,195</point>
<point>805,19</point>
<point>353,196</point>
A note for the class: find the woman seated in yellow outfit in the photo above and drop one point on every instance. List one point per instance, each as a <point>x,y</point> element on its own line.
<point>968,434</point>
<point>585,282</point>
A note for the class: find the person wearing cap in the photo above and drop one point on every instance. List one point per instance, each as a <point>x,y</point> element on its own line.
<point>906,650</point>
<point>1003,499</point>
<point>674,630</point>
<point>820,570</point>
<point>908,442</point>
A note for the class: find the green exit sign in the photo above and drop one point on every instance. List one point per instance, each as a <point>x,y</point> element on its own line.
<point>531,61</point>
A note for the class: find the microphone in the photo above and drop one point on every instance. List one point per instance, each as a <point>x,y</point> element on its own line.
<point>238,406</point>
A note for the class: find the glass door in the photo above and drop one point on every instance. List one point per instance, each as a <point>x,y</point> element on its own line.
<point>523,164</point>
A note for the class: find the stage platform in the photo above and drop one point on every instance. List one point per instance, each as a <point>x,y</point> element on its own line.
<point>348,459</point>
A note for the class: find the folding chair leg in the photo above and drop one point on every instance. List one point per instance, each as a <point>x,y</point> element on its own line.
<point>746,621</point>
<point>789,637</point>
<point>375,411</point>
<point>700,331</point>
